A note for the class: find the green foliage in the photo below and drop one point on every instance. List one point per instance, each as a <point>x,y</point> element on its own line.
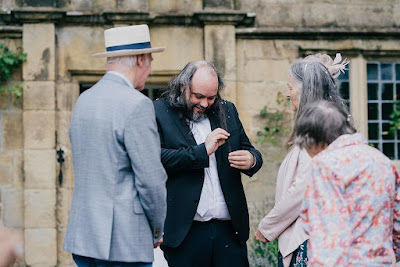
<point>10,60</point>
<point>274,122</point>
<point>264,254</point>
<point>394,118</point>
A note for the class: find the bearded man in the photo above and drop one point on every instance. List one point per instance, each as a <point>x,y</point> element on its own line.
<point>204,148</point>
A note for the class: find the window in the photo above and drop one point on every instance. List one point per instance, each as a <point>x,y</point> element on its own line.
<point>383,85</point>
<point>153,91</point>
<point>343,84</point>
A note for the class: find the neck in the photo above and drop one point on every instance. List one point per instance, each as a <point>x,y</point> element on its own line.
<point>129,74</point>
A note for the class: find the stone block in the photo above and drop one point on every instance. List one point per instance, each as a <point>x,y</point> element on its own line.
<point>229,93</point>
<point>18,169</point>
<point>279,15</point>
<point>259,70</point>
<point>39,43</point>
<point>39,129</point>
<point>222,4</point>
<point>40,169</point>
<point>396,14</point>
<point>67,94</point>
<point>75,48</point>
<point>13,207</point>
<point>64,199</point>
<point>220,48</point>
<point>16,102</point>
<point>12,130</point>
<point>189,48</point>
<point>133,5</point>
<point>5,168</point>
<point>63,120</point>
<point>41,247</point>
<point>4,100</point>
<point>365,16</point>
<point>321,14</point>
<point>64,258</point>
<point>175,5</point>
<point>39,208</point>
<point>83,5</point>
<point>39,95</point>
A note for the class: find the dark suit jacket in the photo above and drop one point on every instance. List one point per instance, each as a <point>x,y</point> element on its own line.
<point>185,161</point>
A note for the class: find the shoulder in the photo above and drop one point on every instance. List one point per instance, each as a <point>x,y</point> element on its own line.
<point>227,105</point>
<point>162,107</point>
<point>160,103</point>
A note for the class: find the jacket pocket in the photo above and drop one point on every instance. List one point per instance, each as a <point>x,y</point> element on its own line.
<point>137,206</point>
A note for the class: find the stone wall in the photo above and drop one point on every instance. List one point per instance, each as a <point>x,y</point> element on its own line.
<point>12,154</point>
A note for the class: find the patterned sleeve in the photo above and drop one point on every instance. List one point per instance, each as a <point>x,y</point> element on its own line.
<point>326,216</point>
<point>396,223</point>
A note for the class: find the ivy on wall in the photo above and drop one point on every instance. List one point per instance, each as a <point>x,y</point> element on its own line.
<point>275,125</point>
<point>9,61</point>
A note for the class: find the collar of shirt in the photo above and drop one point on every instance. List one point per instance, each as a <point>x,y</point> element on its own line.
<point>123,77</point>
<point>347,140</point>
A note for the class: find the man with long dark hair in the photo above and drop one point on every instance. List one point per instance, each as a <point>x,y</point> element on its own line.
<point>203,149</point>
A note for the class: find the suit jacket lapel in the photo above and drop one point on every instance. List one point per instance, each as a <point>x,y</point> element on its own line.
<point>182,126</point>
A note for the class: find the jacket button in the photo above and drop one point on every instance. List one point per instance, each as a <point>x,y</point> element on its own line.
<point>237,233</point>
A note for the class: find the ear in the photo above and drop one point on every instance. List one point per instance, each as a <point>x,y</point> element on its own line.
<point>140,62</point>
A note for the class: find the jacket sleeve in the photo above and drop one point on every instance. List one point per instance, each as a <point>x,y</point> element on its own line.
<point>184,158</point>
<point>143,146</point>
<point>288,209</point>
<point>246,145</point>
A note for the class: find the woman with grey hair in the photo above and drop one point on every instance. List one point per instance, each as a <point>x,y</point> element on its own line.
<point>309,81</point>
<point>351,208</point>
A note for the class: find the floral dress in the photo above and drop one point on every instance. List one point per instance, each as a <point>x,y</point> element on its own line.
<point>352,206</point>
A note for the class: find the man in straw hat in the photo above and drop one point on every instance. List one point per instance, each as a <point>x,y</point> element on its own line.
<point>119,202</point>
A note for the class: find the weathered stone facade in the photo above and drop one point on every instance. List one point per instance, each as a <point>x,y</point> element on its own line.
<point>252,42</point>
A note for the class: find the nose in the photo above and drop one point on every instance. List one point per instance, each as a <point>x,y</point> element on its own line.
<point>204,103</point>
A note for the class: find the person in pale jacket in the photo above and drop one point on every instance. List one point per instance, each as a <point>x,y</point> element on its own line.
<point>310,80</point>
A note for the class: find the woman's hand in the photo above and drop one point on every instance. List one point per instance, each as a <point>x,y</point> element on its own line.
<point>259,236</point>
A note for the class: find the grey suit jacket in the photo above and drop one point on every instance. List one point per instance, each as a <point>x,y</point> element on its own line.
<point>119,202</point>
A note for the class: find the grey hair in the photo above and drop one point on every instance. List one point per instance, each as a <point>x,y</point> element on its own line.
<point>127,62</point>
<point>314,82</point>
<point>321,123</point>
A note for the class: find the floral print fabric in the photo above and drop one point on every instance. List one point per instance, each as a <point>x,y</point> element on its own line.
<point>352,206</point>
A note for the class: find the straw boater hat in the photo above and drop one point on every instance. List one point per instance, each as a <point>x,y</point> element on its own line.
<point>128,41</point>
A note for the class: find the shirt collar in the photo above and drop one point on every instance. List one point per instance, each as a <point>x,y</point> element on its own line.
<point>123,77</point>
<point>347,140</point>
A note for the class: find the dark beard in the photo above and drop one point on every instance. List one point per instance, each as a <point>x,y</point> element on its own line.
<point>193,116</point>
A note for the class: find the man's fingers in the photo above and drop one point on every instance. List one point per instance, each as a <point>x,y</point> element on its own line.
<point>239,153</point>
<point>238,158</point>
<point>240,167</point>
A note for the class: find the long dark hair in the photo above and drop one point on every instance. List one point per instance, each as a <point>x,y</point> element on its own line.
<point>176,91</point>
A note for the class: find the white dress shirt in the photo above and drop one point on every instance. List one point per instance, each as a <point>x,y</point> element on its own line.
<point>212,203</point>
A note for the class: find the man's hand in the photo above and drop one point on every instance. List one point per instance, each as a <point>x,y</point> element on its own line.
<point>259,236</point>
<point>215,139</point>
<point>241,159</point>
<point>158,243</point>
